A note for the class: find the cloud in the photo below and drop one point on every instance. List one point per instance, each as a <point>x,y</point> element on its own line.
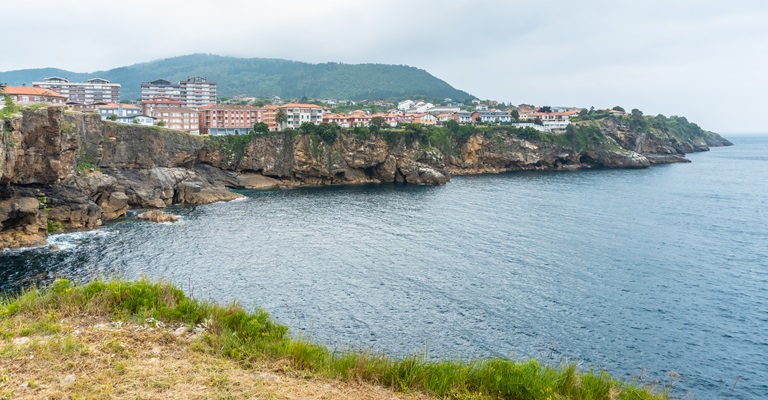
<point>687,57</point>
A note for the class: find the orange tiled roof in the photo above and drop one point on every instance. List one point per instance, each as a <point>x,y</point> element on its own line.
<point>299,105</point>
<point>115,105</point>
<point>31,91</point>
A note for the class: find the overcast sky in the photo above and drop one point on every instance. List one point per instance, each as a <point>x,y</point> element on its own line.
<point>707,60</point>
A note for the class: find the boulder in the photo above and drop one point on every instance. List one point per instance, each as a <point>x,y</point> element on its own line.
<point>157,216</point>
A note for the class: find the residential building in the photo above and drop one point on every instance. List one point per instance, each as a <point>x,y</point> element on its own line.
<point>179,118</point>
<point>424,119</point>
<point>120,110</point>
<point>95,90</point>
<point>298,114</point>
<point>463,117</point>
<point>500,117</point>
<point>269,117</point>
<point>160,88</point>
<point>405,105</point>
<point>24,95</point>
<point>196,92</point>
<point>140,119</point>
<point>222,119</point>
<point>147,106</point>
<point>443,110</point>
<point>552,121</point>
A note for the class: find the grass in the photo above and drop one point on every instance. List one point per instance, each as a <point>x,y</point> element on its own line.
<point>249,341</point>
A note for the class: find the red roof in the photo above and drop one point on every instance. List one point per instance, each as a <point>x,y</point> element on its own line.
<point>30,91</point>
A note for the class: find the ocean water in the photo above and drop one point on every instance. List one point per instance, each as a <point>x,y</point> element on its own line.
<point>639,272</point>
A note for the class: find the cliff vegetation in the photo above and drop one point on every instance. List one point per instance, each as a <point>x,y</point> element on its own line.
<point>139,339</point>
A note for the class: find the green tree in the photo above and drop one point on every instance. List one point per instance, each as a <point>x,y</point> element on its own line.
<point>112,117</point>
<point>538,121</point>
<point>160,123</point>
<point>545,109</point>
<point>378,122</point>
<point>515,115</point>
<point>618,108</point>
<point>636,113</point>
<point>452,126</point>
<point>261,127</point>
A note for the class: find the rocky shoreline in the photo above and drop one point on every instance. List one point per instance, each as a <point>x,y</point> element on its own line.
<point>63,171</point>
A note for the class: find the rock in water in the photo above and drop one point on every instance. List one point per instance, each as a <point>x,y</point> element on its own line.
<point>157,216</point>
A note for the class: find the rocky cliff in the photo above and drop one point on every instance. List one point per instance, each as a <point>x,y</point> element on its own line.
<point>64,170</point>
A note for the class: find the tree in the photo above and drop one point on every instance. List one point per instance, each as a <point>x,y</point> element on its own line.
<point>538,121</point>
<point>281,117</point>
<point>515,115</point>
<point>378,122</point>
<point>452,126</point>
<point>637,113</point>
<point>304,99</point>
<point>160,123</point>
<point>261,127</point>
<point>618,108</point>
<point>112,117</point>
<point>136,121</point>
<point>545,109</point>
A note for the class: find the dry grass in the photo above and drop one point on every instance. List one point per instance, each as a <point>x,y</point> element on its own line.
<point>94,358</point>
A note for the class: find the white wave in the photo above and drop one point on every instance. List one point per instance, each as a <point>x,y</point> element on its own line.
<point>66,241</point>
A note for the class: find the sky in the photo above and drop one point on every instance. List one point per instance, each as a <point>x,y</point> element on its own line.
<point>706,60</point>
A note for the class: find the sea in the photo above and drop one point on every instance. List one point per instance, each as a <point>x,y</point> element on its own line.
<point>654,275</point>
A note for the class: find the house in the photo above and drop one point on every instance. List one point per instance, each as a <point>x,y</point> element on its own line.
<point>140,119</point>
<point>424,119</point>
<point>179,118</point>
<point>95,90</point>
<point>405,105</point>
<point>24,95</point>
<point>443,110</point>
<point>552,121</point>
<point>119,110</point>
<point>463,117</point>
<point>223,119</point>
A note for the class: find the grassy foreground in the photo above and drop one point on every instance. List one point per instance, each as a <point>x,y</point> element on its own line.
<point>141,339</point>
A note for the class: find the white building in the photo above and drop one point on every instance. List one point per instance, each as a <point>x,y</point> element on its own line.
<point>140,119</point>
<point>120,110</point>
<point>405,105</point>
<point>298,114</point>
<point>95,90</point>
<point>196,92</point>
<point>160,88</point>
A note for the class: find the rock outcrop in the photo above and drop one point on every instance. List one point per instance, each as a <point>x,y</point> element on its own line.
<point>63,170</point>
<point>157,216</point>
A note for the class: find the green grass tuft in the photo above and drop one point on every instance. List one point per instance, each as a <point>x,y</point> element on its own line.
<point>253,336</point>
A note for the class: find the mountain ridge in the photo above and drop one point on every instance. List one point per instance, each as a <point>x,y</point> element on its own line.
<point>265,77</point>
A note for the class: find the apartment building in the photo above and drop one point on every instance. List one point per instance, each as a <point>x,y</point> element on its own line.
<point>179,118</point>
<point>298,114</point>
<point>95,90</point>
<point>223,119</point>
<point>197,92</point>
<point>160,88</point>
<point>147,106</point>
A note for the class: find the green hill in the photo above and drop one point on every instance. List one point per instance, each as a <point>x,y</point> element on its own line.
<point>265,77</point>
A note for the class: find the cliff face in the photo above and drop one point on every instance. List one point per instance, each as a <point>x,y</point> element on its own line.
<point>70,170</point>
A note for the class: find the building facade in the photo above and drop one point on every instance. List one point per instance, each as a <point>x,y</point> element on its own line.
<point>95,90</point>
<point>160,88</point>
<point>120,110</point>
<point>298,114</point>
<point>147,106</point>
<point>23,95</point>
<point>221,119</point>
<point>179,118</point>
<point>197,92</point>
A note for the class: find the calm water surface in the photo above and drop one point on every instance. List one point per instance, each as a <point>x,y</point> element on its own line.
<point>638,272</point>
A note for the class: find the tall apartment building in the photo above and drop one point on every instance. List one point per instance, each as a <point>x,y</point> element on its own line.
<point>160,88</point>
<point>196,92</point>
<point>95,90</point>
<point>222,119</point>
